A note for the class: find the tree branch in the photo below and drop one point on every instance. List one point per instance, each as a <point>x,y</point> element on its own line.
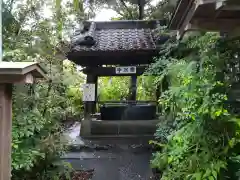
<point>128,10</point>
<point>11,5</point>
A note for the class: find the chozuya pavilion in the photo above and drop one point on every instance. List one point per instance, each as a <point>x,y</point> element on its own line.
<point>116,48</point>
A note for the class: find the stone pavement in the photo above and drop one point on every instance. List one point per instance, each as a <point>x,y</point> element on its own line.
<point>111,158</point>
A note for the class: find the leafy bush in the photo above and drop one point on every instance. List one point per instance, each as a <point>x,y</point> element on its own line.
<point>113,88</point>
<point>38,109</point>
<point>117,88</point>
<point>201,132</point>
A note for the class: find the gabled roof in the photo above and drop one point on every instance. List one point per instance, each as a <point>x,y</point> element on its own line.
<point>111,36</point>
<point>22,68</point>
<point>21,72</point>
<point>120,37</point>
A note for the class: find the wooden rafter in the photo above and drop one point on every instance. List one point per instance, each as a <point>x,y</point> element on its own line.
<point>189,14</point>
<point>207,15</point>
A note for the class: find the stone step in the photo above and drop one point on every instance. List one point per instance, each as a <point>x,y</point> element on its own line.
<point>123,127</point>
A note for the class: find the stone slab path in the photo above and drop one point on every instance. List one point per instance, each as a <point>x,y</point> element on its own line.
<point>111,159</point>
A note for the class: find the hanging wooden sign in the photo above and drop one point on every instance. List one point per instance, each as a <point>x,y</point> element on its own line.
<point>126,70</point>
<point>89,92</point>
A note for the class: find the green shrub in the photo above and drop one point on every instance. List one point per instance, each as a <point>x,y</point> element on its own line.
<point>201,133</point>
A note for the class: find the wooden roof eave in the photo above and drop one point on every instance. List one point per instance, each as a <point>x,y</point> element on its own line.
<point>184,18</point>
<point>181,8</point>
<point>92,53</point>
<point>21,72</point>
<point>111,71</point>
<point>91,58</point>
<point>22,68</point>
<point>183,14</point>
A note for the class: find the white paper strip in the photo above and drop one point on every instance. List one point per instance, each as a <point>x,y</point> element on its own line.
<point>126,70</point>
<point>89,92</point>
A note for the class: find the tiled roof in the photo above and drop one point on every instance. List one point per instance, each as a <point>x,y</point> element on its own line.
<point>116,36</point>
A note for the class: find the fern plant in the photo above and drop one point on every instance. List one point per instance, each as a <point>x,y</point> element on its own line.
<point>202,133</point>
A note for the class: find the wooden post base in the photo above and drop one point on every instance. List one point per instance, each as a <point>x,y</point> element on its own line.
<point>86,127</point>
<point>5,130</point>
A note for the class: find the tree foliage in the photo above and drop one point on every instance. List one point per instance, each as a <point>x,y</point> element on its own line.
<point>200,136</point>
<point>38,109</point>
<point>128,10</point>
<point>117,88</point>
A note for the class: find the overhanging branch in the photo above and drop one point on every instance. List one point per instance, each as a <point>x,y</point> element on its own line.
<point>128,10</point>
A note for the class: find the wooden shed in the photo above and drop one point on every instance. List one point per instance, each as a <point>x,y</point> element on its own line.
<point>12,73</point>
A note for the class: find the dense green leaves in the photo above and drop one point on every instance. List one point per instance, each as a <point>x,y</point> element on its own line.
<point>200,133</point>
<point>38,110</point>
<point>117,88</point>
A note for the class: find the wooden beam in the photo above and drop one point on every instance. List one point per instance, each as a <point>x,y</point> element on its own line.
<point>188,18</point>
<point>185,8</point>
<point>234,33</point>
<point>111,71</point>
<point>220,4</point>
<point>187,14</point>
<point>187,23</point>
<point>216,24</point>
<point>189,27</point>
<point>17,79</point>
<point>210,1</point>
<point>181,8</point>
<point>231,8</point>
<point>227,5</point>
<point>5,130</point>
<point>184,14</point>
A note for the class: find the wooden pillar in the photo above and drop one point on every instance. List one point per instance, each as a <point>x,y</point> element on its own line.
<point>165,84</point>
<point>96,94</point>
<point>11,73</point>
<point>89,108</point>
<point>5,130</point>
<point>158,92</point>
<point>133,88</point>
